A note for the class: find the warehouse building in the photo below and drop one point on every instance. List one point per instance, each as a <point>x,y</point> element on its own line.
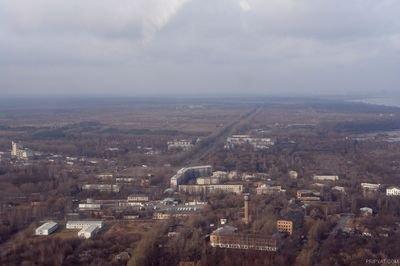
<point>89,231</point>
<point>46,229</point>
<point>227,237</point>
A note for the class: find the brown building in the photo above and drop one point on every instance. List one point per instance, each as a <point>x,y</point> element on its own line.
<point>285,226</point>
<point>226,237</point>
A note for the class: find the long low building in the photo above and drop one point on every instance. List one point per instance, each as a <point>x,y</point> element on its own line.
<point>89,206</point>
<point>326,177</point>
<point>178,211</point>
<point>46,229</point>
<point>89,232</point>
<point>102,187</point>
<point>83,224</point>
<point>205,189</point>
<point>188,173</point>
<point>226,237</point>
<point>269,190</point>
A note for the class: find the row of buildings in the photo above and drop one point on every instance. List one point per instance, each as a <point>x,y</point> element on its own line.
<point>87,229</point>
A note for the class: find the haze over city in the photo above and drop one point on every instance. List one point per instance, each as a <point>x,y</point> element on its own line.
<point>208,47</point>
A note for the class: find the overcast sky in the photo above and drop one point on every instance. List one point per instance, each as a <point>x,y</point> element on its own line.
<point>139,47</point>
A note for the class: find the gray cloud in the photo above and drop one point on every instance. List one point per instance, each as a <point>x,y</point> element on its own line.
<point>191,46</point>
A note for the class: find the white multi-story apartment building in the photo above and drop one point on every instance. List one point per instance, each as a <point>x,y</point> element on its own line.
<point>19,152</point>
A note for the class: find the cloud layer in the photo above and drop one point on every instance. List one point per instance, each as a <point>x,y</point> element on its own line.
<point>192,47</point>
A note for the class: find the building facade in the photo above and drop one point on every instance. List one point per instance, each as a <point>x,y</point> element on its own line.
<point>285,226</point>
<point>46,229</point>
<point>393,191</point>
<point>222,238</point>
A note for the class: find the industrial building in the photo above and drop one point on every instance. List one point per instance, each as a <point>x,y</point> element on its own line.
<point>83,224</point>
<point>189,173</point>
<point>46,229</point>
<point>227,237</point>
<point>89,231</point>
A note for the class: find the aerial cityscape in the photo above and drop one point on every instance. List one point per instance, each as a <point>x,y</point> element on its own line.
<point>199,133</point>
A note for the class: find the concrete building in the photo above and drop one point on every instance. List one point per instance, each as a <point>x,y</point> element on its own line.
<point>138,198</point>
<point>221,175</point>
<point>19,152</point>
<point>180,144</point>
<point>189,173</point>
<point>227,237</point>
<point>293,174</point>
<point>308,195</point>
<point>102,187</point>
<point>285,226</point>
<point>46,229</point>
<point>205,189</point>
<point>370,186</point>
<point>326,178</point>
<point>339,189</point>
<point>89,231</point>
<point>125,179</point>
<point>257,143</point>
<point>269,190</point>
<point>83,224</point>
<point>105,176</point>
<point>393,191</point>
<point>89,206</point>
<point>207,181</point>
<point>370,190</point>
<point>366,211</point>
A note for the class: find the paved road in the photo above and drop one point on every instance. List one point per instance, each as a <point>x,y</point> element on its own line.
<point>211,143</point>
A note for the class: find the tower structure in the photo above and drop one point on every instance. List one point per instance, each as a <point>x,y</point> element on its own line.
<point>246,209</point>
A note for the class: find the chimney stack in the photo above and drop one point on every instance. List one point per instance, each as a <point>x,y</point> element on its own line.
<point>246,209</point>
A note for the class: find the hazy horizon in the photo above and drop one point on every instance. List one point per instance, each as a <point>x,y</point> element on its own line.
<point>199,48</point>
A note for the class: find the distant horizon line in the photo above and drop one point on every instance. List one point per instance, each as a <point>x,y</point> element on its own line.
<point>200,96</point>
